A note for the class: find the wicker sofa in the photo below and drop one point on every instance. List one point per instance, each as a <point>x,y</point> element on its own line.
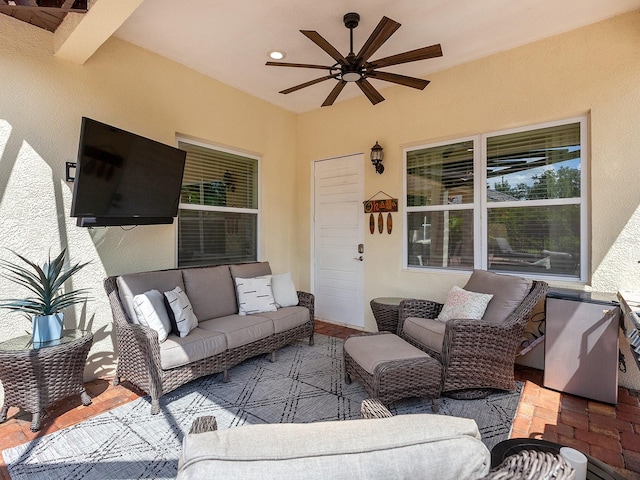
<point>222,338</point>
<point>420,446</point>
<point>379,446</point>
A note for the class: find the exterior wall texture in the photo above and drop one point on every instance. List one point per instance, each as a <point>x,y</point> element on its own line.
<point>43,101</point>
<point>593,70</point>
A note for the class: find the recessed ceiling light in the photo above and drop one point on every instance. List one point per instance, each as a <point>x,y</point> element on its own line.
<point>277,55</point>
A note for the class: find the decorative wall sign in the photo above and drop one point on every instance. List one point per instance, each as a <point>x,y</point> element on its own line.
<point>389,205</point>
<point>372,224</point>
<point>389,223</point>
<point>386,205</point>
<point>380,222</point>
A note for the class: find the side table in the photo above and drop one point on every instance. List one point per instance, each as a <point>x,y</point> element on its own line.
<point>385,311</point>
<point>596,470</point>
<point>35,378</point>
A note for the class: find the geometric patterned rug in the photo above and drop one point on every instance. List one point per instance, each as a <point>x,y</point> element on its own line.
<point>305,384</point>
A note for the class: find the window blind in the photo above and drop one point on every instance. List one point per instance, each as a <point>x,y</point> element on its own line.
<point>212,227</point>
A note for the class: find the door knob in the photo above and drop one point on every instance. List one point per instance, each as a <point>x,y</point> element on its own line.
<point>358,258</point>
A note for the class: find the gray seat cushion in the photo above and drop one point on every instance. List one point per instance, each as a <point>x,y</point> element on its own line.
<point>176,351</point>
<point>132,284</point>
<point>211,291</point>
<point>405,446</point>
<point>240,329</point>
<point>287,318</point>
<point>508,292</point>
<point>426,331</point>
<point>369,351</point>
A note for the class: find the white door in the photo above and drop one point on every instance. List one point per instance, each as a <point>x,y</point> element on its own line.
<point>338,231</point>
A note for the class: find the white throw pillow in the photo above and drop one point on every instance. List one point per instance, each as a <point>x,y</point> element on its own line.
<point>462,303</point>
<point>284,290</point>
<point>255,295</point>
<point>182,310</point>
<point>151,312</point>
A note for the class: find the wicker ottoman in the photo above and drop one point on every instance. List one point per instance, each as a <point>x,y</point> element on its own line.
<point>390,368</point>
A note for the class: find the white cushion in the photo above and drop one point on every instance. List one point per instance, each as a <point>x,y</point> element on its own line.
<point>284,291</point>
<point>255,295</point>
<point>421,446</point>
<point>464,304</point>
<point>151,312</point>
<point>182,310</point>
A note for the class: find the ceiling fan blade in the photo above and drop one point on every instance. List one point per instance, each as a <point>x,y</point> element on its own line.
<point>297,65</point>
<point>412,82</point>
<point>307,84</point>
<point>319,40</point>
<point>372,94</point>
<point>334,93</point>
<point>411,56</point>
<point>381,34</point>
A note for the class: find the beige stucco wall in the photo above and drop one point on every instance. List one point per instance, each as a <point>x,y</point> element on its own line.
<point>43,99</point>
<point>594,70</point>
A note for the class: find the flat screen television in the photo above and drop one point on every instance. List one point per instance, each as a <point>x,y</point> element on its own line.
<point>125,179</point>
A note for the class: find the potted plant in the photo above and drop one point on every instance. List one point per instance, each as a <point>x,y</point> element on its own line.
<point>47,300</point>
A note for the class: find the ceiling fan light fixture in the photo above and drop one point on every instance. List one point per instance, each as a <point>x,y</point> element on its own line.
<point>351,76</point>
<point>276,54</point>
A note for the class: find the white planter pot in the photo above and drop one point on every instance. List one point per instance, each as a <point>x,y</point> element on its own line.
<point>47,328</point>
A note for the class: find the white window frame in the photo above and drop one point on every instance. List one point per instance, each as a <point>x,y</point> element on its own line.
<point>211,208</point>
<point>481,206</point>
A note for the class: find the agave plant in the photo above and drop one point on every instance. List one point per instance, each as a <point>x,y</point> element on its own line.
<point>44,283</point>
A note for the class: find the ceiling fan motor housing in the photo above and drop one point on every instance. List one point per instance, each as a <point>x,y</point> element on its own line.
<point>351,20</point>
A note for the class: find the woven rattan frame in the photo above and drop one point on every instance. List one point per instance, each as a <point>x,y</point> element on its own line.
<point>37,378</point>
<point>534,465</point>
<point>374,408</point>
<point>476,354</point>
<point>139,350</point>
<point>207,423</point>
<point>398,379</point>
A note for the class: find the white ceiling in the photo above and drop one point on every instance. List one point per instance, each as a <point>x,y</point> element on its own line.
<point>229,39</point>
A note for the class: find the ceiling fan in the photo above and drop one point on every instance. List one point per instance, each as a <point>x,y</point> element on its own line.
<point>358,68</point>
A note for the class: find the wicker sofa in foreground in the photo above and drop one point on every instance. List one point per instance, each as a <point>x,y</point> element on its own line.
<point>380,446</point>
<point>222,339</point>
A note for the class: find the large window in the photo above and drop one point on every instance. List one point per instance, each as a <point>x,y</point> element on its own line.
<point>218,215</point>
<point>509,201</point>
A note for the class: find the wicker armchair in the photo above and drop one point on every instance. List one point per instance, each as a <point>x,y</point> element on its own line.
<point>477,355</point>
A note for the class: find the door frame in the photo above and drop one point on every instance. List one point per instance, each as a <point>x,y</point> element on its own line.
<point>312,223</point>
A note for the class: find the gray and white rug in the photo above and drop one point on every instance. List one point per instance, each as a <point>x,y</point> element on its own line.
<point>304,385</point>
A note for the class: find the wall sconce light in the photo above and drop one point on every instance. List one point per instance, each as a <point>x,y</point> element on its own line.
<point>70,174</point>
<point>376,157</point>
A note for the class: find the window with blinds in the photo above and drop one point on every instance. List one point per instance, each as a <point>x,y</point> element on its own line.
<point>218,214</point>
<point>520,201</point>
<point>440,196</point>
